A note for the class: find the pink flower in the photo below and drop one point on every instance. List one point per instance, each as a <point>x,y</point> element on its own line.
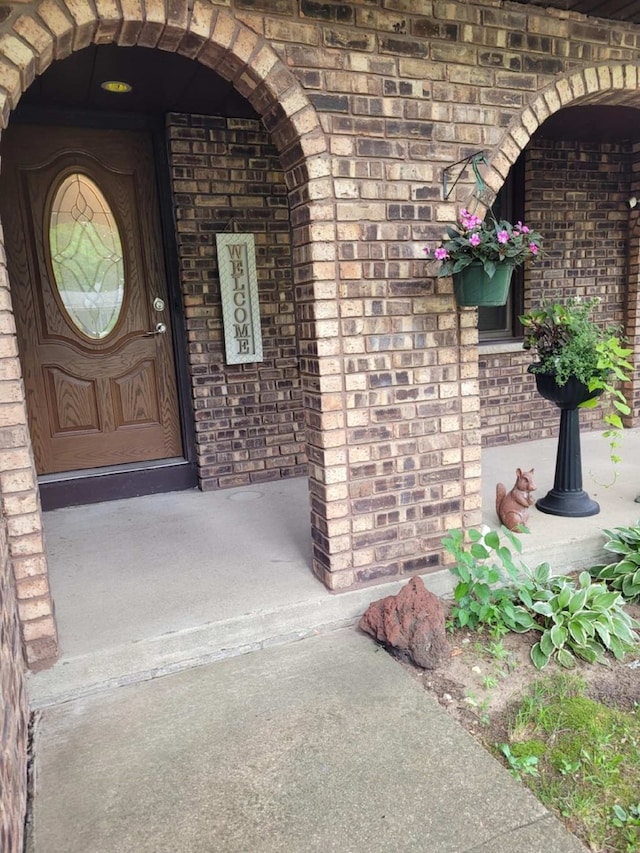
<point>474,240</point>
<point>533,248</point>
<point>468,220</point>
<point>427,250</point>
<point>503,236</point>
<point>524,229</point>
<point>441,253</point>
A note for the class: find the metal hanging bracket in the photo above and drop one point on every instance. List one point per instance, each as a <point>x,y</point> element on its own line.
<point>231,226</point>
<point>474,160</point>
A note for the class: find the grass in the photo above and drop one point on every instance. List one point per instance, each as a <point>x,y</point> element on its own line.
<point>581,759</point>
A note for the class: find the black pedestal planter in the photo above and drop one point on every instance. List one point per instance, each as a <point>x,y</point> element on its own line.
<point>567,496</point>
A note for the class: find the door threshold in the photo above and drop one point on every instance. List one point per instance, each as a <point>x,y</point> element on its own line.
<point>95,485</point>
<point>107,470</point>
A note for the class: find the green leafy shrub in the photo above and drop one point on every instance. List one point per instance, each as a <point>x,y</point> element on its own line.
<point>497,590</point>
<point>486,570</point>
<point>623,575</point>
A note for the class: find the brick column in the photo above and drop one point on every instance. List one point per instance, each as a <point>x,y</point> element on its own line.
<point>632,307</point>
<point>14,715</point>
<point>20,502</point>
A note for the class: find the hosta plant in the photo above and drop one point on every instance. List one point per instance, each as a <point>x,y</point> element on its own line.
<point>624,574</point>
<point>584,620</point>
<point>497,590</point>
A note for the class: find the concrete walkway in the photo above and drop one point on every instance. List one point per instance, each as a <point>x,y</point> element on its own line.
<point>325,744</point>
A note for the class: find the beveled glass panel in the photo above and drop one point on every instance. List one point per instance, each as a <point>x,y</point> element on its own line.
<point>86,256</point>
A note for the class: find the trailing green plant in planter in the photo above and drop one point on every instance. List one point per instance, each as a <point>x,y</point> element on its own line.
<point>567,343</point>
<point>624,574</point>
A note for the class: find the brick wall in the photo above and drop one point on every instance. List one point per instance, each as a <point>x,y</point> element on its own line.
<point>13,711</point>
<point>576,194</point>
<point>249,417</point>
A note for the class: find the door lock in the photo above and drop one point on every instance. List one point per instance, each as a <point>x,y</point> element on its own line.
<point>158,304</point>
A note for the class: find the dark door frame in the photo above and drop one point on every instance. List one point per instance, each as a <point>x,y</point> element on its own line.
<point>75,488</point>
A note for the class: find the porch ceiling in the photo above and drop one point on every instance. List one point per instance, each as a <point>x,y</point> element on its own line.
<point>593,123</point>
<point>161,82</point>
<point>616,10</point>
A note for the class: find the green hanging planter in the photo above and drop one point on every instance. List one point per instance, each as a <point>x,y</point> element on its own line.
<point>473,287</point>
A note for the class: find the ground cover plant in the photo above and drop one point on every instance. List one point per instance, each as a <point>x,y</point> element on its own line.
<point>545,672</point>
<point>581,758</point>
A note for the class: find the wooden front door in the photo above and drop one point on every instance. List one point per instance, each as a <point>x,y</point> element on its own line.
<point>86,264</point>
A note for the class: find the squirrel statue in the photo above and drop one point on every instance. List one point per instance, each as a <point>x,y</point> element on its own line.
<point>513,507</point>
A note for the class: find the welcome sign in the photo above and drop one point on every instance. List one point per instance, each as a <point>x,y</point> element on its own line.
<point>239,292</point>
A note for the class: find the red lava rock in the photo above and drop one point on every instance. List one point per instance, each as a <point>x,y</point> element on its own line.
<point>410,624</point>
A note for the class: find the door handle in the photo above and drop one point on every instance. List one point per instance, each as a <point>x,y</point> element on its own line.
<point>160,329</point>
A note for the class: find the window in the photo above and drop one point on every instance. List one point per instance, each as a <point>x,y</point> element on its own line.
<point>86,256</point>
<point>500,324</point>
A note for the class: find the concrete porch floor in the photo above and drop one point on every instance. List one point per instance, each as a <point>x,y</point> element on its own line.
<point>153,585</point>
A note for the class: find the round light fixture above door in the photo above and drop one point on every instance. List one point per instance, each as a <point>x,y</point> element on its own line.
<point>118,87</point>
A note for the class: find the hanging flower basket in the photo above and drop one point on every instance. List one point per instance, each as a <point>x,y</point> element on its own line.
<point>473,287</point>
<point>481,255</point>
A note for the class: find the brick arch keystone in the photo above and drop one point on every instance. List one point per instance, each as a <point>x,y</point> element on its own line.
<point>30,40</point>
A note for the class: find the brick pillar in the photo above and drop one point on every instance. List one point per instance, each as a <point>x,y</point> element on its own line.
<point>20,502</point>
<point>632,307</point>
<point>13,710</point>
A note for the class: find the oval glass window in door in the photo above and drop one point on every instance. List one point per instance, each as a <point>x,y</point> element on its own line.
<point>86,256</point>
